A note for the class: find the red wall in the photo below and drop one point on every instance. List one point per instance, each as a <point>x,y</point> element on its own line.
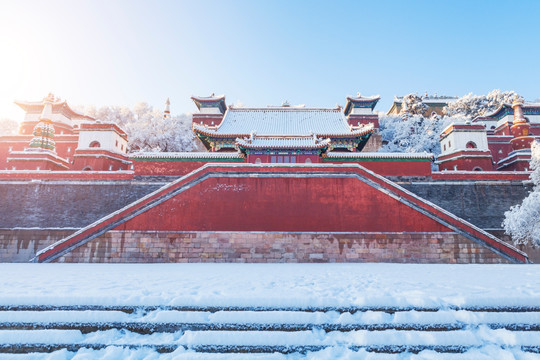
<point>499,149</point>
<point>392,168</point>
<point>382,167</point>
<point>162,167</point>
<point>356,120</point>
<point>207,119</point>
<point>17,143</point>
<point>517,163</point>
<point>34,165</point>
<point>65,175</point>
<point>468,164</point>
<point>66,145</point>
<point>283,204</point>
<point>99,160</point>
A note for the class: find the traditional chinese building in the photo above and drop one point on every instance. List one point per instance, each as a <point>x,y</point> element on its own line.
<point>435,104</point>
<point>55,137</point>
<point>284,134</point>
<point>497,141</point>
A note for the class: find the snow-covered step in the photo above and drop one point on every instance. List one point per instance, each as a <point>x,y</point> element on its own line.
<point>390,341</point>
<point>341,309</point>
<point>117,352</point>
<point>172,321</point>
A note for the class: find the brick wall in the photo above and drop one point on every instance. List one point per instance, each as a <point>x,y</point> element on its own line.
<point>20,245</point>
<point>253,247</point>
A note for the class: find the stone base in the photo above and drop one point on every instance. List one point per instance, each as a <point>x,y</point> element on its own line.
<point>273,247</point>
<point>21,245</point>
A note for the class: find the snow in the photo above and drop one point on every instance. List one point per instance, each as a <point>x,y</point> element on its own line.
<point>271,285</point>
<point>483,353</point>
<point>472,106</point>
<point>464,338</point>
<point>147,128</point>
<point>266,294</point>
<point>415,134</point>
<point>284,121</point>
<point>522,221</point>
<point>257,318</point>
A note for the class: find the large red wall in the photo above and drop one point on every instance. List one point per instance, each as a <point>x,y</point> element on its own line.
<point>385,167</point>
<point>333,204</point>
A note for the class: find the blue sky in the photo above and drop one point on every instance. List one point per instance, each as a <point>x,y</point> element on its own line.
<point>263,52</point>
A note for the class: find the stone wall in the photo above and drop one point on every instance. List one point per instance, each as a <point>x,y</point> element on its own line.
<point>272,247</point>
<point>20,245</point>
<point>482,203</point>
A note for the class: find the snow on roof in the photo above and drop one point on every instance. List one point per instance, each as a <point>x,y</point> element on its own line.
<point>363,98</point>
<point>56,104</point>
<point>212,101</point>
<point>431,99</point>
<point>361,101</point>
<point>282,121</point>
<point>208,98</point>
<point>493,113</point>
<point>34,151</point>
<point>503,106</point>
<point>186,155</point>
<point>439,100</point>
<point>378,155</point>
<point>284,142</point>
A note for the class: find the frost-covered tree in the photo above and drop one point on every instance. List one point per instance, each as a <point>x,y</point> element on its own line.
<point>472,105</point>
<point>146,127</point>
<point>412,134</point>
<point>413,104</point>
<point>8,126</point>
<point>522,222</point>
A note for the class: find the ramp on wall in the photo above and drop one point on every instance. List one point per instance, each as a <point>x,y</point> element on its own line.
<point>347,201</point>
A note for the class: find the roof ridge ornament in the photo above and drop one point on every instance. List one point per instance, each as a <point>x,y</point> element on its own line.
<point>50,98</point>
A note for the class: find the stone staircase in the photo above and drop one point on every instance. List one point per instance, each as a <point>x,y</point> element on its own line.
<point>236,332</point>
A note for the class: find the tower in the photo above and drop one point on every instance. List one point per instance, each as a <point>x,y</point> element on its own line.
<point>44,130</point>
<point>41,153</point>
<point>519,158</point>
<point>167,112</point>
<point>520,129</point>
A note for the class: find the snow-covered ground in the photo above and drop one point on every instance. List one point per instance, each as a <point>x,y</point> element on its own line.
<point>271,285</point>
<point>270,294</point>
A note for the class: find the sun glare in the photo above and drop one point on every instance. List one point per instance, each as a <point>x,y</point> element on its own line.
<point>27,68</point>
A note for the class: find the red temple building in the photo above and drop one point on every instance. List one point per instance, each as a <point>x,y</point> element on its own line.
<point>499,141</point>
<point>284,134</point>
<point>55,137</point>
